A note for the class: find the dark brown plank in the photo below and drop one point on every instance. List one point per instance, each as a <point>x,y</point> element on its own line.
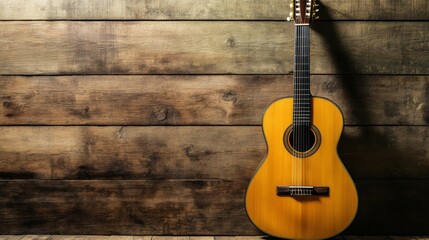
<point>123,207</point>
<point>374,10</point>
<point>196,100</point>
<point>391,207</point>
<point>208,9</point>
<point>365,237</point>
<point>214,47</point>
<point>129,152</point>
<point>228,153</point>
<point>185,207</point>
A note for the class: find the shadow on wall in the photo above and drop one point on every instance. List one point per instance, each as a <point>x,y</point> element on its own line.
<point>391,172</point>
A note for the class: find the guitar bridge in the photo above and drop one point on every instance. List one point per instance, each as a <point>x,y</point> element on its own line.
<point>302,191</point>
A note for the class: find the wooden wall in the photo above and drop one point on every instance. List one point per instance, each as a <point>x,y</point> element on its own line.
<point>143,117</point>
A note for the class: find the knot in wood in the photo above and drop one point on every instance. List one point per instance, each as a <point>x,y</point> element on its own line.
<point>230,96</point>
<point>160,113</point>
<point>230,41</point>
<point>331,86</point>
<point>7,104</point>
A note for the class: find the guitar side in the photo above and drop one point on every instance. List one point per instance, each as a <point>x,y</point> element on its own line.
<point>303,217</point>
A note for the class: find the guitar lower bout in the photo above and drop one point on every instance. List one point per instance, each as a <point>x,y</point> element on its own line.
<point>302,190</point>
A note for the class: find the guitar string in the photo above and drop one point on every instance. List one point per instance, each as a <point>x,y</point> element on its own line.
<point>295,127</point>
<point>295,100</point>
<point>298,143</point>
<point>300,104</point>
<point>299,101</point>
<point>307,92</point>
<point>304,128</point>
<point>307,99</point>
<point>294,115</point>
<point>307,44</point>
<point>303,101</point>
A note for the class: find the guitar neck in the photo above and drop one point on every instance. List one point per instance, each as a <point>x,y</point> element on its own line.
<point>301,76</point>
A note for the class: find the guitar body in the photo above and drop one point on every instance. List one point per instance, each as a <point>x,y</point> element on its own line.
<point>302,217</point>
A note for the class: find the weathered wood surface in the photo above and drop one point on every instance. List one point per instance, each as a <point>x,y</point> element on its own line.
<point>206,10</point>
<point>107,237</point>
<point>11,237</point>
<point>123,207</point>
<point>226,153</point>
<point>216,47</point>
<point>197,100</point>
<point>193,207</point>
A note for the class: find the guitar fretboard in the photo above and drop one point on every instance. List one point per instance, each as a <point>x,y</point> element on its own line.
<point>301,77</point>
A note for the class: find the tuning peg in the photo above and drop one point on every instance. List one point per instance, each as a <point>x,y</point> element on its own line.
<point>316,10</point>
<point>314,16</point>
<point>290,16</point>
<point>291,5</point>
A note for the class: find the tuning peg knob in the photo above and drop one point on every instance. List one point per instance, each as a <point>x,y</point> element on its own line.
<point>291,5</point>
<point>290,16</point>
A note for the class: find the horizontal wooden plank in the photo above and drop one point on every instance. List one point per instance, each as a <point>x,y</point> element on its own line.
<point>217,47</point>
<point>123,207</point>
<point>339,237</point>
<point>227,153</point>
<point>208,100</point>
<point>206,10</point>
<point>391,207</point>
<point>36,237</point>
<point>254,237</point>
<point>185,207</point>
<point>11,237</point>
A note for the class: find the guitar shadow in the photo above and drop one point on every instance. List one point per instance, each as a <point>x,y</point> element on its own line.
<point>391,200</point>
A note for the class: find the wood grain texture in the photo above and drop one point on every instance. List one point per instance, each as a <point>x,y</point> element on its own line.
<point>11,237</point>
<point>298,217</point>
<point>123,207</point>
<point>170,238</point>
<point>203,100</point>
<point>176,207</point>
<point>198,47</point>
<point>339,237</point>
<point>227,153</point>
<point>36,237</point>
<point>205,10</point>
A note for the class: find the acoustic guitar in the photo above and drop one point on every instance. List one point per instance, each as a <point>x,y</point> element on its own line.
<point>302,190</point>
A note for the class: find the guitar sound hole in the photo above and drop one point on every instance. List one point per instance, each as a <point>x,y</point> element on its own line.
<point>302,140</point>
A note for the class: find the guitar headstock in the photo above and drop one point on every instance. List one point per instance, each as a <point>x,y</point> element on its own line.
<point>303,11</point>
